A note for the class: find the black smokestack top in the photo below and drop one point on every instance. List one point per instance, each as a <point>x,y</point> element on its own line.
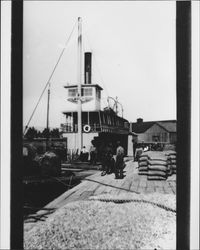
<point>140,120</point>
<point>88,68</point>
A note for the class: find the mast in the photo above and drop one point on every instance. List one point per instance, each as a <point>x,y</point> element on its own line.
<point>79,83</point>
<point>48,107</point>
<point>48,99</point>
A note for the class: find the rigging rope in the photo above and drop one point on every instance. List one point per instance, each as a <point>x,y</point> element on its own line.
<point>48,81</point>
<point>120,201</point>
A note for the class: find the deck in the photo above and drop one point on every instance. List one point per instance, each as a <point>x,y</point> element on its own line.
<point>132,183</point>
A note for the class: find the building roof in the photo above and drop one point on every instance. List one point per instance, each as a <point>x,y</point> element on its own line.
<point>141,127</point>
<point>170,126</point>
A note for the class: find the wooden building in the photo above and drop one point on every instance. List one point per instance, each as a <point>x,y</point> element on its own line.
<point>154,131</point>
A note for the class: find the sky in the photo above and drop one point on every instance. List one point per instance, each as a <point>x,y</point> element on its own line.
<point>133,46</point>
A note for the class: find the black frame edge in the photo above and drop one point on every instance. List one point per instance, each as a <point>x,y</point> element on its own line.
<point>16,209</point>
<point>183,79</point>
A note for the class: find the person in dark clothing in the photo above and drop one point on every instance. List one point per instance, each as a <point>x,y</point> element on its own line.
<point>143,145</point>
<point>103,160</point>
<point>84,154</point>
<point>134,148</point>
<point>109,158</point>
<point>93,154</point>
<point>119,165</point>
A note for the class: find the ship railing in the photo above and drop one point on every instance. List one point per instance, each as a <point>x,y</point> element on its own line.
<point>95,127</point>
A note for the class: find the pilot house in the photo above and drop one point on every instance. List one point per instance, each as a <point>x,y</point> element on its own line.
<point>102,126</point>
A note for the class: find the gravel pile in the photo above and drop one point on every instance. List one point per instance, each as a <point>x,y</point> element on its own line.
<point>106,225</point>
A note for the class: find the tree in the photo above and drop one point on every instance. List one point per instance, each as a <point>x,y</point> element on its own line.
<point>39,134</point>
<point>45,133</point>
<point>55,133</point>
<point>31,133</point>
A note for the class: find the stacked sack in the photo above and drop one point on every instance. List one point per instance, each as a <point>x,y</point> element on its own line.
<point>171,154</point>
<point>157,166</point>
<point>143,164</point>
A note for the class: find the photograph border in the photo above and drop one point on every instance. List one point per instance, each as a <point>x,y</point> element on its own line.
<point>183,55</point>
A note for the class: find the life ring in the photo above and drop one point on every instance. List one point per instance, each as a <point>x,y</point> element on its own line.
<point>87,128</point>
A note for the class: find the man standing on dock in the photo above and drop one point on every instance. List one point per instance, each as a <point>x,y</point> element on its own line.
<point>93,154</point>
<point>107,159</point>
<point>119,165</point>
<point>134,148</point>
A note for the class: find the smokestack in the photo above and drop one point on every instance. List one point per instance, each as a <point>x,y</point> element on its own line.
<point>88,68</point>
<point>140,120</point>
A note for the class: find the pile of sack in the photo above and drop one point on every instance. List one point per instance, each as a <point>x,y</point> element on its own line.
<point>143,164</point>
<point>171,154</point>
<point>157,165</point>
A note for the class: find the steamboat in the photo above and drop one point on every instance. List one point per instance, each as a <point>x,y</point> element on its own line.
<point>85,122</point>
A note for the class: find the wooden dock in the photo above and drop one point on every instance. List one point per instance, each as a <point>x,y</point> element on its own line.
<point>132,183</point>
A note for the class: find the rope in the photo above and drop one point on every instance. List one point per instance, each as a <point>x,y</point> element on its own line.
<point>58,180</point>
<point>48,81</point>
<point>119,201</point>
<point>39,208</point>
<point>132,191</point>
<point>70,182</point>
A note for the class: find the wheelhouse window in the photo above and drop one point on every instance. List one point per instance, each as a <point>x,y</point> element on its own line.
<point>98,94</point>
<point>72,92</point>
<point>86,91</point>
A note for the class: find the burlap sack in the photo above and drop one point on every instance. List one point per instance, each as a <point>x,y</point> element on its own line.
<point>157,162</point>
<point>157,173</point>
<point>156,178</point>
<point>158,167</point>
<point>143,168</point>
<point>143,173</point>
<point>143,164</point>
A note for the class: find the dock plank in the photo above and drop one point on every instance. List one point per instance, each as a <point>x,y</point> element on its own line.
<point>96,185</point>
<point>172,184</point>
<point>150,187</point>
<point>113,189</point>
<point>167,188</point>
<point>159,186</point>
<point>142,184</point>
<point>126,184</point>
<point>135,183</point>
